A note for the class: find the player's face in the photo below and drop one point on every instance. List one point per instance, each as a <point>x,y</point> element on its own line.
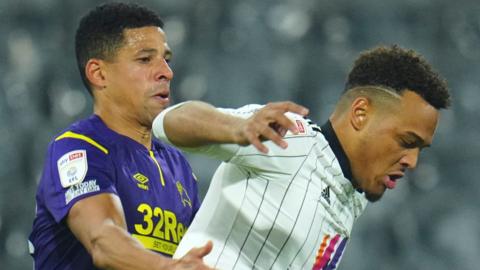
<point>139,76</point>
<point>391,143</point>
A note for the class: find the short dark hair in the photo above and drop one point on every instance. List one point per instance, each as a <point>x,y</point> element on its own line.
<point>100,32</point>
<point>398,69</point>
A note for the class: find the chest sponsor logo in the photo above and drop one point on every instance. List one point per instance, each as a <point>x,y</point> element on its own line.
<point>80,189</point>
<point>141,180</point>
<point>160,230</point>
<point>186,201</point>
<point>72,167</point>
<point>330,252</point>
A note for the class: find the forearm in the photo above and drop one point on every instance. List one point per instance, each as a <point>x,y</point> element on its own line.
<point>113,248</point>
<point>197,124</point>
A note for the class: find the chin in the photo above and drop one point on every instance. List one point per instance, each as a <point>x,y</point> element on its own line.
<point>373,197</point>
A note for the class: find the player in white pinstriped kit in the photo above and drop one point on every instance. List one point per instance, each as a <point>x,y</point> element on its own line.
<point>270,206</point>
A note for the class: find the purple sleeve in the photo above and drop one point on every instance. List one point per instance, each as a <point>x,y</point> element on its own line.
<point>74,170</point>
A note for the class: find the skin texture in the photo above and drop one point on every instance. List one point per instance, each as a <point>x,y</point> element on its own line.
<point>129,91</point>
<point>383,141</point>
<point>269,123</point>
<point>382,133</point>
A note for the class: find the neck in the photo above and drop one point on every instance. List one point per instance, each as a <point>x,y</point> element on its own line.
<point>342,130</point>
<point>125,125</point>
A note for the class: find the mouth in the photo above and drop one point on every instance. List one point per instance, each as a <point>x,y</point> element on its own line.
<point>390,180</point>
<point>162,95</point>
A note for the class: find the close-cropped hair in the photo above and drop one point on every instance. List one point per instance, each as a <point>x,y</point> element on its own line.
<point>100,32</point>
<point>397,69</point>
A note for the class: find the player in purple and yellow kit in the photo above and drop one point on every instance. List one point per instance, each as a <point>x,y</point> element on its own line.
<point>111,196</point>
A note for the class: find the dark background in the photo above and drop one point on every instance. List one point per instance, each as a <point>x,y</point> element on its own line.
<point>230,53</point>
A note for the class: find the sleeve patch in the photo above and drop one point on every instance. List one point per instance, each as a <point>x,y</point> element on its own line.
<point>300,127</point>
<point>80,189</point>
<point>72,167</point>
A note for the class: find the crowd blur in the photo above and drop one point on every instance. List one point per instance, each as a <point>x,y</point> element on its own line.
<point>230,53</point>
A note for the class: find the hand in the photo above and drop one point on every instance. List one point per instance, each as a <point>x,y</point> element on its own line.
<point>269,123</point>
<point>193,260</point>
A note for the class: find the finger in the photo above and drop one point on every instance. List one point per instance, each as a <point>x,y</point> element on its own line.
<point>206,249</point>
<point>271,134</point>
<point>202,251</point>
<point>288,106</point>
<point>282,121</point>
<point>257,143</point>
<point>282,131</point>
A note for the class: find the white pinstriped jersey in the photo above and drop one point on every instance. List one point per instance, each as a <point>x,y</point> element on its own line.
<point>289,209</point>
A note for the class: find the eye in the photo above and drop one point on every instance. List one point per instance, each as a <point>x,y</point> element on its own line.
<point>144,60</point>
<point>408,144</point>
<point>168,56</point>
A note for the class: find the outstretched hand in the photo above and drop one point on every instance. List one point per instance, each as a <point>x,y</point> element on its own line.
<point>193,260</point>
<point>269,123</point>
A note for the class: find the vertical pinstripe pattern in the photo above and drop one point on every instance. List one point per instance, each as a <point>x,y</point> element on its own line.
<point>281,218</point>
<point>251,227</point>
<point>301,248</point>
<point>296,219</point>
<point>281,204</point>
<point>308,259</point>
<point>236,217</point>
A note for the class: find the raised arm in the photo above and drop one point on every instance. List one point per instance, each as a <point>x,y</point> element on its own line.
<point>99,224</point>
<point>196,123</point>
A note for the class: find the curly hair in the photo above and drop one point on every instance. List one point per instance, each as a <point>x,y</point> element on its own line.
<point>398,69</point>
<point>100,32</point>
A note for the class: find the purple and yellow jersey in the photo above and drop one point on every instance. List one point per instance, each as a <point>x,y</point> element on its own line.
<point>156,187</point>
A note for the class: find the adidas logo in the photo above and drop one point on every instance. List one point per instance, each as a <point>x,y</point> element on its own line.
<point>326,194</point>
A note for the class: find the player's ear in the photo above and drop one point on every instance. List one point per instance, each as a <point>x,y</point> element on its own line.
<point>95,73</point>
<point>359,112</point>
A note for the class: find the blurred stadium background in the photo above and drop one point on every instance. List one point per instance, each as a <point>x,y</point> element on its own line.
<point>235,52</point>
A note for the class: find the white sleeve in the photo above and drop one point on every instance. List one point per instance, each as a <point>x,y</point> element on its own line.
<point>157,125</point>
<point>247,156</point>
<point>217,151</point>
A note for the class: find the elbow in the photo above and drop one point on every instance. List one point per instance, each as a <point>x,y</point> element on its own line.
<point>99,258</point>
<point>100,247</point>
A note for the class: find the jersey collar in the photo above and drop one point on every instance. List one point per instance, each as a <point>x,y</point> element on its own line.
<point>332,139</point>
<point>114,136</point>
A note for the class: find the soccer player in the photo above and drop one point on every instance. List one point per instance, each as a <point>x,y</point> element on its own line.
<point>110,195</point>
<point>270,206</point>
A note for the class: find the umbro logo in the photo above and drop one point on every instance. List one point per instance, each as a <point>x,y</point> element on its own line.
<point>142,181</point>
<point>326,194</point>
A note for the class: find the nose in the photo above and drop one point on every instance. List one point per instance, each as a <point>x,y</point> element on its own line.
<point>163,71</point>
<point>410,159</point>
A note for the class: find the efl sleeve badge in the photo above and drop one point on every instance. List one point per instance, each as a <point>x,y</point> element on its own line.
<point>72,167</point>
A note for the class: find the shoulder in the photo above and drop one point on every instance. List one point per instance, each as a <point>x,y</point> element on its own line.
<point>79,148</point>
<point>80,143</point>
<point>83,133</point>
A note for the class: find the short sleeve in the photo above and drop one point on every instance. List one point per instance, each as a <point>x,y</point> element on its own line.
<point>74,170</point>
<point>222,152</point>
